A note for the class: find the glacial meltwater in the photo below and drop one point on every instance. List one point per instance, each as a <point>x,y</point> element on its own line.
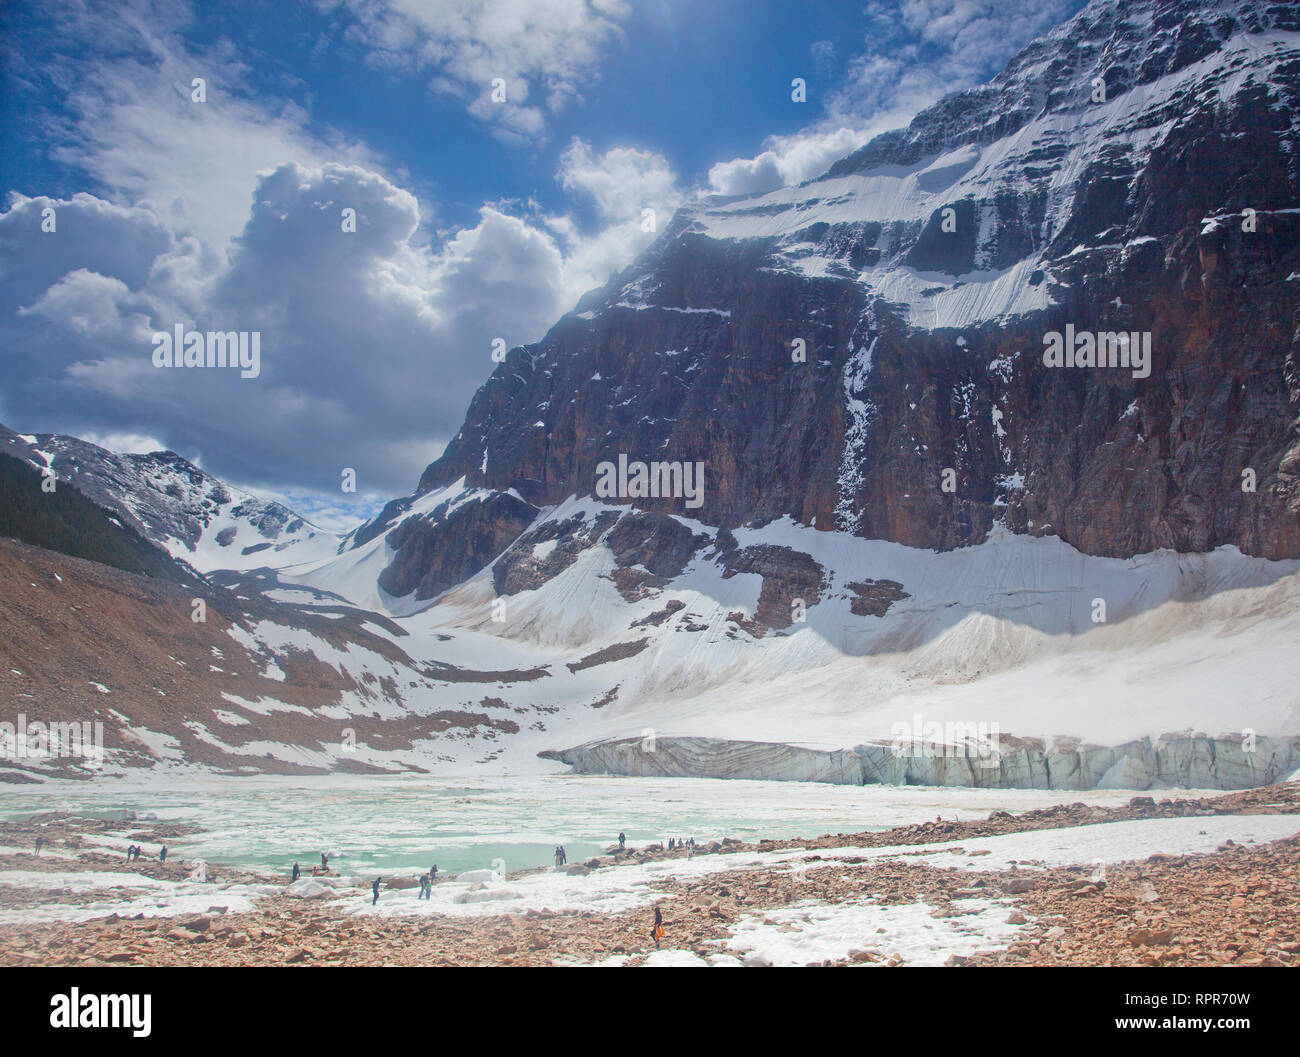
<point>392,825</point>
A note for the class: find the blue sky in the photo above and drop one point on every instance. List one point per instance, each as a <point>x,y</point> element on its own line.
<point>479,218</point>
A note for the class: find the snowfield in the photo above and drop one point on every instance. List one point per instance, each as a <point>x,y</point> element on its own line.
<point>1001,633</point>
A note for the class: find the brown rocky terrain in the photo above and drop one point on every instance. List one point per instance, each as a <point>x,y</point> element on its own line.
<point>71,624</point>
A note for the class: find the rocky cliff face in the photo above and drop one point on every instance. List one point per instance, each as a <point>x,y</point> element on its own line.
<point>921,275</point>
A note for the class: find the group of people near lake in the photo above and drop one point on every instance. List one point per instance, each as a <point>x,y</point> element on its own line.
<point>674,844</point>
<point>426,885</point>
<point>427,880</point>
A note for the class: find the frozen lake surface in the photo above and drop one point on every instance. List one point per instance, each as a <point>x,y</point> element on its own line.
<point>388,825</point>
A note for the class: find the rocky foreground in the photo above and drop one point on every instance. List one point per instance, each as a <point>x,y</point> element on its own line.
<point>1236,906</point>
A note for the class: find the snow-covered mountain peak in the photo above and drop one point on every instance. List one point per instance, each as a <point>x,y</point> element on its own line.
<point>172,503</point>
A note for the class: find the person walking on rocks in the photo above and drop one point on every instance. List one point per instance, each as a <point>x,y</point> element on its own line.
<point>297,871</point>
<point>657,933</point>
<point>162,855</point>
<point>433,873</point>
<point>40,842</point>
<point>622,841</point>
<point>375,888</point>
<point>564,856</point>
<point>324,860</point>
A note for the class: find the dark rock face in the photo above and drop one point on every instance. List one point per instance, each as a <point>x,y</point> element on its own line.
<point>434,553</point>
<point>874,597</point>
<point>687,356</point>
<point>518,569</point>
<point>788,576</point>
<point>660,544</point>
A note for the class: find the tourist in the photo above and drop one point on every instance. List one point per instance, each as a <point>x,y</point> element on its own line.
<point>297,871</point>
<point>433,872</point>
<point>375,888</point>
<point>657,932</point>
<point>39,842</point>
<point>162,855</point>
<point>622,841</point>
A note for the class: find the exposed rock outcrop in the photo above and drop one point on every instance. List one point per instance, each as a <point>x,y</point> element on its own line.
<point>434,553</point>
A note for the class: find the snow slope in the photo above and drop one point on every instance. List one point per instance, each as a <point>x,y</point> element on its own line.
<point>1002,633</point>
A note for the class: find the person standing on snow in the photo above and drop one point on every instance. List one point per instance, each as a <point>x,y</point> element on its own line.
<point>375,888</point>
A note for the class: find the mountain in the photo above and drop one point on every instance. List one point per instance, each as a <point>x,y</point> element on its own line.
<point>189,514</point>
<point>918,521</point>
<point>925,346</point>
<point>65,521</point>
<point>1102,525</point>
